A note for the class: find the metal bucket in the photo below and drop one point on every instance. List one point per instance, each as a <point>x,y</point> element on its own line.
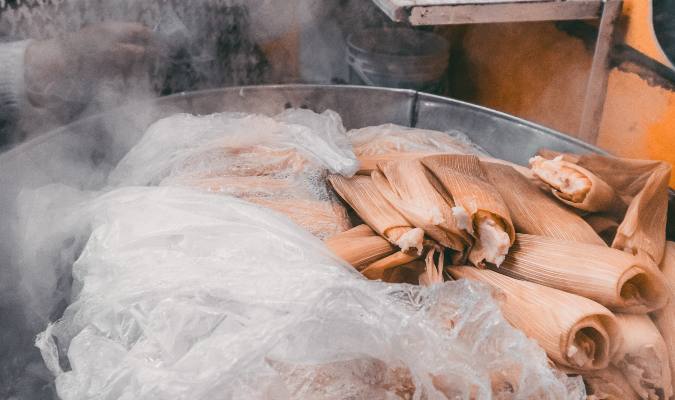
<point>397,57</point>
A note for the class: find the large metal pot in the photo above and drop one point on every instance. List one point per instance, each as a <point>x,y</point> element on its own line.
<point>81,154</point>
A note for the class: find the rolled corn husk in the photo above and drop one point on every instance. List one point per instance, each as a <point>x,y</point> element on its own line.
<point>368,163</point>
<point>574,331</point>
<point>479,208</point>
<point>379,268</point>
<point>576,186</point>
<point>360,246</point>
<point>613,278</point>
<point>533,212</point>
<point>405,184</point>
<point>665,317</point>
<point>362,195</point>
<point>643,357</point>
<point>643,184</point>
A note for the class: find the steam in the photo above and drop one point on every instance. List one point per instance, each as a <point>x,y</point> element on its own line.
<point>197,44</point>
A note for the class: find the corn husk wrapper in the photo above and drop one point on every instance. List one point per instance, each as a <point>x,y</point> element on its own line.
<point>665,317</point>
<point>533,212</point>
<point>574,331</point>
<point>613,278</point>
<point>643,357</point>
<point>362,195</point>
<point>576,186</point>
<point>368,163</point>
<point>489,219</point>
<point>379,268</point>
<point>433,272</point>
<point>360,246</point>
<point>643,184</point>
<point>405,184</point>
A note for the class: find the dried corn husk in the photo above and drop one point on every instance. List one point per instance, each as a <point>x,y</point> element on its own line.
<point>574,331</point>
<point>379,268</point>
<point>613,278</point>
<point>368,163</point>
<point>665,317</point>
<point>362,195</point>
<point>576,186</point>
<point>643,184</point>
<point>433,273</point>
<point>489,218</point>
<point>608,384</point>
<point>360,246</point>
<point>533,212</point>
<point>405,184</point>
<point>643,357</point>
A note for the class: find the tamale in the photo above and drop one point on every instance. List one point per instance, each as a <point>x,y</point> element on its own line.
<point>368,163</point>
<point>665,317</point>
<point>643,357</point>
<point>361,194</point>
<point>533,212</point>
<point>643,184</point>
<point>613,278</point>
<point>474,196</point>
<point>378,269</point>
<point>576,186</point>
<point>405,184</point>
<point>574,331</point>
<point>359,246</point>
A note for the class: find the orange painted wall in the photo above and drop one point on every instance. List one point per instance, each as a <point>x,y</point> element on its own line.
<point>538,72</point>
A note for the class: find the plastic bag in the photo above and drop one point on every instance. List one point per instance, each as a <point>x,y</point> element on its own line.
<point>183,294</point>
<point>278,162</point>
<point>391,138</point>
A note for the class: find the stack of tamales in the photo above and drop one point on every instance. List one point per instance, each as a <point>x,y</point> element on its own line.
<point>573,247</point>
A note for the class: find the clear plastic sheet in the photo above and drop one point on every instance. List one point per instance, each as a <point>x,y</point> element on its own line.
<point>183,294</point>
<point>391,138</point>
<point>277,162</point>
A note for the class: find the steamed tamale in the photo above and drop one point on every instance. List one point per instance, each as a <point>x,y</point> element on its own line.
<point>479,208</point>
<point>643,357</point>
<point>611,277</point>
<point>361,194</point>
<point>360,246</point>
<point>643,185</point>
<point>533,212</point>
<point>576,186</point>
<point>665,317</point>
<point>405,184</point>
<point>574,331</point>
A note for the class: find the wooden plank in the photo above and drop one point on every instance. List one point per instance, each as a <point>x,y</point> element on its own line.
<point>596,86</point>
<point>505,12</point>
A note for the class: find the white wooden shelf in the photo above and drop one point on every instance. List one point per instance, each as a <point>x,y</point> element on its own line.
<point>452,12</point>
